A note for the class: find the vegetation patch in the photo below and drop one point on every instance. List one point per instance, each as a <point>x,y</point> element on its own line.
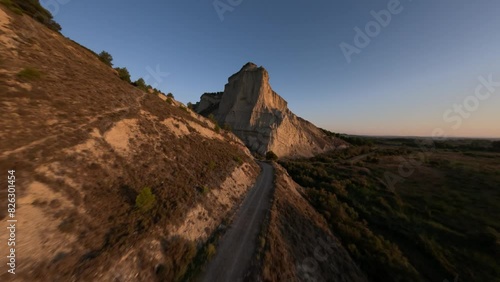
<point>29,74</point>
<point>146,200</point>
<point>271,156</point>
<point>33,9</point>
<point>440,221</point>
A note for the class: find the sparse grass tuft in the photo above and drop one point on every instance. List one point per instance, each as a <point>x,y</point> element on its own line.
<point>211,165</point>
<point>29,73</point>
<point>238,159</point>
<point>210,251</point>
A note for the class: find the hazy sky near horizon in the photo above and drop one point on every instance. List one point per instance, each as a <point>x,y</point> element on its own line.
<point>418,72</point>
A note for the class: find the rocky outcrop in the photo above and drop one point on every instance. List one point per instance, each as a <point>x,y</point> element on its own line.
<point>261,118</point>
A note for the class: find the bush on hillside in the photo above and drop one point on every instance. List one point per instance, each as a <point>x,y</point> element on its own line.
<point>141,84</point>
<point>106,58</point>
<point>29,74</point>
<point>33,9</point>
<point>146,200</point>
<point>123,74</point>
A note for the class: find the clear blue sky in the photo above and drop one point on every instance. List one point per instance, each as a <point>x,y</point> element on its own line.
<point>427,59</point>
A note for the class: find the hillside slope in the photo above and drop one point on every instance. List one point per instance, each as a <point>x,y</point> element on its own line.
<point>297,244</point>
<point>84,144</point>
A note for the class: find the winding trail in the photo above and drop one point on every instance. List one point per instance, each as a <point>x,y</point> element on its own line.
<point>238,245</point>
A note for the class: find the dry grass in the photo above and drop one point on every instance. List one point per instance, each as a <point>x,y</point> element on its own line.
<point>61,125</point>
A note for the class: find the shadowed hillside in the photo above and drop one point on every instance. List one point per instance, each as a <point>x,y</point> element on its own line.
<point>112,181</point>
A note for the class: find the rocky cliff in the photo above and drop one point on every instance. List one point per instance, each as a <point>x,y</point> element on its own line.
<point>261,118</point>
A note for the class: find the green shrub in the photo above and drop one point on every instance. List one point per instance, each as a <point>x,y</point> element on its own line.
<point>29,74</point>
<point>170,95</point>
<point>141,84</point>
<point>169,100</point>
<point>146,200</point>
<point>271,156</point>
<point>182,107</point>
<point>106,58</point>
<point>217,128</point>
<point>123,74</point>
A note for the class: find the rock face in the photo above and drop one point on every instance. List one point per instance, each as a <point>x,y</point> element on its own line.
<point>261,118</point>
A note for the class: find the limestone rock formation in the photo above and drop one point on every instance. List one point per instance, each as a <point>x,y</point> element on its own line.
<point>261,118</point>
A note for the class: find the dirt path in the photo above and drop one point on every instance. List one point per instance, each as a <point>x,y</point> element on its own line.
<point>237,247</point>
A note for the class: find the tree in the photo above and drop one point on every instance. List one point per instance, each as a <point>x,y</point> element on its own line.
<point>106,58</point>
<point>170,95</point>
<point>271,156</point>
<point>141,84</point>
<point>123,74</point>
